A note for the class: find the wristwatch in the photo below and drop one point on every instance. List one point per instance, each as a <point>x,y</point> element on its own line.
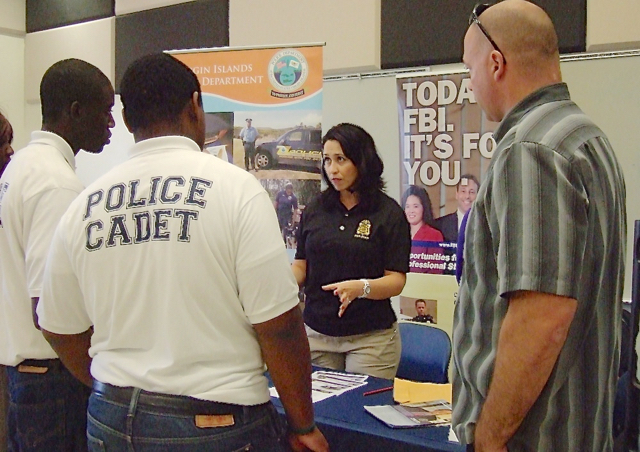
<point>366,290</point>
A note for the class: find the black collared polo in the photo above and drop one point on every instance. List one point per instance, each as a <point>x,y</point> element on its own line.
<point>339,245</point>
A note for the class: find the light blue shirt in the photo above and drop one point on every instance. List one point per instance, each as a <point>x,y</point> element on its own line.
<point>249,134</point>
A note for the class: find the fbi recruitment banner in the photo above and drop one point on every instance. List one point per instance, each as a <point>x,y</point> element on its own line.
<point>446,145</point>
<point>264,114</point>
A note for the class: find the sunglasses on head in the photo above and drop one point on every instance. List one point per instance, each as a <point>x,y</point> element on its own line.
<point>473,19</point>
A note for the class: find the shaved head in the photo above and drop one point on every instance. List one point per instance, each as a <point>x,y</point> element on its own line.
<point>524,32</point>
<point>527,58</point>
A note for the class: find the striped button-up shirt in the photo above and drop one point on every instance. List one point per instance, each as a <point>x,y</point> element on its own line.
<point>549,217</point>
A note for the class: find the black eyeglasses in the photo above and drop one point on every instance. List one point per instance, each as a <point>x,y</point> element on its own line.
<point>473,19</point>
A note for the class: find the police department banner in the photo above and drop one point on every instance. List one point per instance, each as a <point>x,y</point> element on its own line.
<point>264,114</point>
<point>446,144</point>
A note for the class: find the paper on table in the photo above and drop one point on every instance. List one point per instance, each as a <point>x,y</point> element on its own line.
<point>316,396</point>
<point>326,384</point>
<point>391,417</point>
<point>406,391</point>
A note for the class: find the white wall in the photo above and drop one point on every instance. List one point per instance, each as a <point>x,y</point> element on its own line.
<point>91,166</point>
<point>12,16</point>
<point>608,92</point>
<point>92,41</point>
<point>12,87</point>
<point>370,104</point>
<point>12,33</point>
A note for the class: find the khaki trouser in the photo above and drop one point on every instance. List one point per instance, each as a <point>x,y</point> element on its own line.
<point>376,353</point>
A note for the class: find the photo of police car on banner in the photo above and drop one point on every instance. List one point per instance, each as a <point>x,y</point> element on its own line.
<point>264,114</point>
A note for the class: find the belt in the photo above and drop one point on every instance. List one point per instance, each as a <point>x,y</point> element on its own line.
<point>169,403</point>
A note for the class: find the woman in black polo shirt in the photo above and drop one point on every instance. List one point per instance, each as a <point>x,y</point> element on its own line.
<point>352,256</point>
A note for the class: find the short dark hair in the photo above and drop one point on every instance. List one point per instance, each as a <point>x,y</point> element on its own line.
<point>358,145</point>
<point>68,81</point>
<point>420,300</point>
<point>423,196</point>
<point>468,177</point>
<point>156,88</point>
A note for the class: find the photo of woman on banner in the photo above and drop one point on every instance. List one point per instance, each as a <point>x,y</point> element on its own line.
<point>427,255</point>
<point>417,208</point>
<point>352,256</point>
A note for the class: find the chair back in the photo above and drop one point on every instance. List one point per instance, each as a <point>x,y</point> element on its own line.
<point>426,352</point>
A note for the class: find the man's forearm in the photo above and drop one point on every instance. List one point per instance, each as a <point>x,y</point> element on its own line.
<point>73,350</point>
<point>531,338</point>
<point>285,349</point>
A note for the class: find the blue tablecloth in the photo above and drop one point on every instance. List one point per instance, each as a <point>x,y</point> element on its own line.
<point>348,427</point>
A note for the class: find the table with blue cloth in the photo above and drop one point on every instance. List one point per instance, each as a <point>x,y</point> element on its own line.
<point>348,427</point>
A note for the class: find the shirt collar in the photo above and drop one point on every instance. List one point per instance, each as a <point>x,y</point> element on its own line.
<point>56,141</point>
<point>550,93</point>
<point>459,217</point>
<point>164,143</point>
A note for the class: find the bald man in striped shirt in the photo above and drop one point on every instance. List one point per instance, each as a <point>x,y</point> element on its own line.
<point>537,321</point>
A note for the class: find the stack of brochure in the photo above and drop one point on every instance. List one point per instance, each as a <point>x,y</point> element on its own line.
<point>325,384</point>
<point>436,412</point>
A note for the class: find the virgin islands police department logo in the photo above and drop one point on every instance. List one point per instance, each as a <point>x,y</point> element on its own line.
<point>288,70</point>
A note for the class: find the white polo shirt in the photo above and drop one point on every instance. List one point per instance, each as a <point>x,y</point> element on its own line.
<point>172,256</point>
<point>35,190</point>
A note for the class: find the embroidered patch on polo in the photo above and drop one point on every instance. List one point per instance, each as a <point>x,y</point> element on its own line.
<point>364,230</point>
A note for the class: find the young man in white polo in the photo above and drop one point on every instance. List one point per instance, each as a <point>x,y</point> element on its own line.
<point>175,259</point>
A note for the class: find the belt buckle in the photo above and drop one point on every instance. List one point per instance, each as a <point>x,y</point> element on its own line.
<point>214,420</point>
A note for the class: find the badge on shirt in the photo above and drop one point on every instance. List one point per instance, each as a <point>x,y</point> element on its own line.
<point>364,230</point>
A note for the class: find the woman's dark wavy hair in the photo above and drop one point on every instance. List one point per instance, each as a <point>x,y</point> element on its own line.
<point>358,145</point>
<point>423,196</point>
<point>156,88</point>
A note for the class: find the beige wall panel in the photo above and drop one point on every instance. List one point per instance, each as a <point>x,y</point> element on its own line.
<point>612,25</point>
<point>132,6</point>
<point>12,86</point>
<point>366,103</point>
<point>351,29</point>
<point>12,16</point>
<point>90,41</point>
<point>608,92</point>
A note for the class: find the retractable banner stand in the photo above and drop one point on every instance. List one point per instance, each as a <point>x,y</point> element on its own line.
<point>446,144</point>
<point>264,114</point>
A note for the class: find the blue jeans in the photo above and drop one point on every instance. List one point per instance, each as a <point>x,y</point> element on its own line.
<point>142,425</point>
<point>47,411</point>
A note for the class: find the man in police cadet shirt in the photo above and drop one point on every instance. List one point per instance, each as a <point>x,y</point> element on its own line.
<point>47,409</point>
<point>167,256</point>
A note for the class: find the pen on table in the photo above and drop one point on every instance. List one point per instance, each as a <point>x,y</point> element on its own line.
<point>376,391</point>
